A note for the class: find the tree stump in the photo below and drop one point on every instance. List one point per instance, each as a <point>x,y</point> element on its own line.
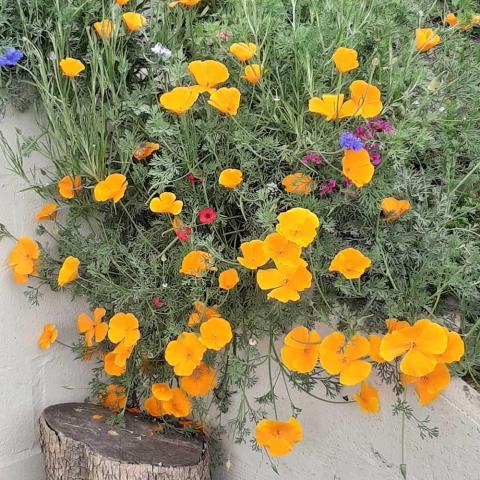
<point>77,447</point>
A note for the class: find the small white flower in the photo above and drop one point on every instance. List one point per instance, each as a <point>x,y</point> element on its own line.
<point>163,52</point>
<point>441,109</point>
<point>164,285</point>
<point>252,342</point>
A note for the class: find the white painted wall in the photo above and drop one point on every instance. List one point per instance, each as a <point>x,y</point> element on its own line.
<point>340,443</point>
<point>30,379</point>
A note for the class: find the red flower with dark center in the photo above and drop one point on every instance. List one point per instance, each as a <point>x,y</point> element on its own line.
<point>207,216</point>
<point>193,180</point>
<point>183,234</point>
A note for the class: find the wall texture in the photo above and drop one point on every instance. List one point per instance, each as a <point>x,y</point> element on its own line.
<point>339,442</point>
<point>30,379</point>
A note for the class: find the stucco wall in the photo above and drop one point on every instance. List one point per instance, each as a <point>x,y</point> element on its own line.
<point>30,379</point>
<point>339,442</point>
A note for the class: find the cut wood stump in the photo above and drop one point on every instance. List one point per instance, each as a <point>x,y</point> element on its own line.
<point>78,447</point>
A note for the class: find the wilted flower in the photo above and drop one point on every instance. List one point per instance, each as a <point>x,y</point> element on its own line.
<point>425,39</point>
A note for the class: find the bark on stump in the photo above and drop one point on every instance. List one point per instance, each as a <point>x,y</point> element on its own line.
<point>76,447</point>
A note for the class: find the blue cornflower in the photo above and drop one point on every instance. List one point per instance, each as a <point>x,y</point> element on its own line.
<point>348,141</point>
<point>10,58</point>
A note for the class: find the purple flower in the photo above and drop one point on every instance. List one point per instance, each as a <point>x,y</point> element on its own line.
<point>348,141</point>
<point>380,126</point>
<point>362,133</point>
<point>326,188</point>
<point>346,182</point>
<point>10,58</point>
<point>375,159</point>
<point>311,158</point>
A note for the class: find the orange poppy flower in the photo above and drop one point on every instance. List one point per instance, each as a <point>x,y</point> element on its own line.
<point>184,3</point>
<point>153,407</point>
<point>351,263</point>
<point>253,73</point>
<point>196,263</point>
<point>230,178</point>
<point>475,20</point>
<point>178,406</point>
<point>208,74</point>
<point>338,357</point>
<point>356,166</point>
<point>298,183</point>
<point>298,225</point>
<point>184,354</point>
<point>179,100</point>
<point>450,19</point>
<point>166,202</point>
<point>71,67</point>
<point>115,362</point>
<point>200,382</point>
<point>301,350</point>
<point>48,336</point>
<point>455,348</point>
<point>284,282</point>
<point>202,313</point>
<point>375,341</point>
<point>112,188</point>
<point>114,398</point>
<point>394,324</point>
<point>215,333</point>
<point>429,387</point>
<point>68,271</point>
<point>228,279</point>
<point>282,251</point>
<point>121,3</point>
<point>92,328</point>
<point>425,39</point>
<point>345,59</point>
<point>366,98</point>
<point>22,259</point>
<point>331,107</point>
<point>47,212</point>
<point>243,51</point>
<point>141,152</point>
<point>68,187</point>
<point>104,29</point>
<point>278,438</point>
<point>162,392</point>
<point>367,399</point>
<point>225,100</point>
<point>393,209</point>
<point>123,327</point>
<point>419,344</point>
<point>133,21</point>
<point>254,255</point>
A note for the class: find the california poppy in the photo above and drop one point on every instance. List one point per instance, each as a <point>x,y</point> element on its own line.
<point>225,100</point>
<point>253,73</point>
<point>298,184</point>
<point>133,21</point>
<point>179,100</point>
<point>298,225</point>
<point>208,74</point>
<point>351,263</point>
<point>230,178</point>
<point>278,438</point>
<point>425,39</point>
<point>123,327</point>
<point>178,406</point>
<point>201,313</point>
<point>366,99</point>
<point>344,358</point>
<point>92,328</point>
<point>243,51</point>
<point>357,167</point>
<point>162,392</point>
<point>428,387</point>
<point>254,255</point>
<point>393,209</point>
<point>367,399</point>
<point>184,354</point>
<point>184,3</point>
<point>48,336</point>
<point>200,382</point>
<point>22,259</point>
<point>166,202</point>
<point>282,251</point>
<point>143,151</point>
<point>114,398</point>
<point>112,188</point>
<point>215,333</point>
<point>47,212</point>
<point>68,271</point>
<point>71,67</point>
<point>345,59</point>
<point>300,351</point>
<point>68,187</point>
<point>104,29</point>
<point>450,19</point>
<point>228,279</point>
<point>196,263</point>
<point>331,107</point>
